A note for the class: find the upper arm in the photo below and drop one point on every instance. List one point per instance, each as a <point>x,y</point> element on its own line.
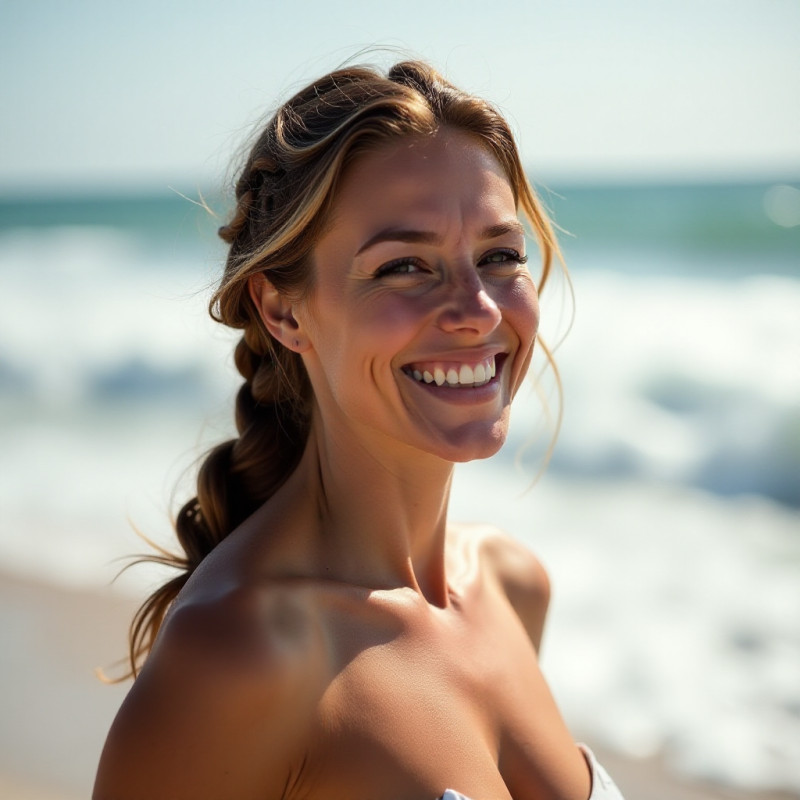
<point>215,712</point>
<point>523,579</point>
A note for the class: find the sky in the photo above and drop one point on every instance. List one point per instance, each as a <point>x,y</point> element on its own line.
<point>118,95</point>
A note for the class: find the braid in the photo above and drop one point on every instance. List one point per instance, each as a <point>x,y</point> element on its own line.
<point>235,479</point>
<point>272,415</point>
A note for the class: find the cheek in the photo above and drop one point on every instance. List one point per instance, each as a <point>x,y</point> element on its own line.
<point>385,323</point>
<point>532,308</point>
<point>522,310</point>
<point>354,343</point>
<point>522,314</point>
<point>394,319</point>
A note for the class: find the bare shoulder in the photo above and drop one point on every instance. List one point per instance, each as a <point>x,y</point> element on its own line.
<point>519,572</point>
<point>222,705</point>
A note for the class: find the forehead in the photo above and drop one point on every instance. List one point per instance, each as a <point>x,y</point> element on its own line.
<point>435,182</point>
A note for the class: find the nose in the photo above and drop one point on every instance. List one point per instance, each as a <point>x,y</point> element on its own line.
<point>468,306</point>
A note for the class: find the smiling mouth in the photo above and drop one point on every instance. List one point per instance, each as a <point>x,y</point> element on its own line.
<point>453,375</point>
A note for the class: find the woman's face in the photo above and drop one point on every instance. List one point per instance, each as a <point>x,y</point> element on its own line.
<point>422,318</point>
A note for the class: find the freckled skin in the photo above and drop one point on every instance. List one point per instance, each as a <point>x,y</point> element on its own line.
<point>347,641</point>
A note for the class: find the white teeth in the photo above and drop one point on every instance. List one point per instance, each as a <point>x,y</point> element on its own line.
<point>465,375</point>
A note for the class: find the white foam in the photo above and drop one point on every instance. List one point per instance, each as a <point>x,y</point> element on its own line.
<point>689,379</point>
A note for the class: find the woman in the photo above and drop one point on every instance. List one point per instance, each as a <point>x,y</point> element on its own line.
<point>332,634</point>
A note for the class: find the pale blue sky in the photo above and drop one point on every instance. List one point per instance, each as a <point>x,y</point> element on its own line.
<point>160,91</point>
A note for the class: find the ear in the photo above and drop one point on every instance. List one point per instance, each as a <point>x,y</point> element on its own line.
<point>276,311</point>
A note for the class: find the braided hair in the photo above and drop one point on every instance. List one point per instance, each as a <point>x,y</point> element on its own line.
<point>284,195</point>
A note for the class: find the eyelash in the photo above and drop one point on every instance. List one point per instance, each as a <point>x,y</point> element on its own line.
<point>391,267</point>
<point>513,257</point>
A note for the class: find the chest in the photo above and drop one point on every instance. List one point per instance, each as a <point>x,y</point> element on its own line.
<point>426,703</point>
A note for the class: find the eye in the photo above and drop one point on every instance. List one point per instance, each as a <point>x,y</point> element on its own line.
<point>399,266</point>
<point>504,257</point>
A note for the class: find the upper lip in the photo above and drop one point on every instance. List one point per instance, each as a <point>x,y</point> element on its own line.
<point>456,358</point>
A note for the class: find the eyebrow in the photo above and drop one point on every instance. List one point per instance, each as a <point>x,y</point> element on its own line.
<point>428,237</point>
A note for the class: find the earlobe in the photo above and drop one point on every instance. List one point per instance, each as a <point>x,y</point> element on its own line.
<point>276,312</point>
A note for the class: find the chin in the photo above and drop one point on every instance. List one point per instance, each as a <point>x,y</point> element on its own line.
<point>471,445</point>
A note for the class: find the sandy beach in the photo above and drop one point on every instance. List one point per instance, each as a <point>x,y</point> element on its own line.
<point>56,712</point>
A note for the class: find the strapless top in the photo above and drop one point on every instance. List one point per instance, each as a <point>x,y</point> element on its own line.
<point>603,788</point>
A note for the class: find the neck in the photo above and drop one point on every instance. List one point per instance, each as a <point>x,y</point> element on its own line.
<point>381,512</point>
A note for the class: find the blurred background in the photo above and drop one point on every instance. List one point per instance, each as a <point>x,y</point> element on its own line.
<point>663,135</point>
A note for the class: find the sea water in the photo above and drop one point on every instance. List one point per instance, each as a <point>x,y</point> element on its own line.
<point>668,518</point>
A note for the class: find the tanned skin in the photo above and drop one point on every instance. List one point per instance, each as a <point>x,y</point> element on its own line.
<point>347,641</point>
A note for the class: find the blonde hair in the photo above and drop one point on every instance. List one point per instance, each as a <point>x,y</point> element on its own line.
<point>284,195</point>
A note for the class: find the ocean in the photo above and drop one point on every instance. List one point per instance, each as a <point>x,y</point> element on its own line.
<point>668,516</point>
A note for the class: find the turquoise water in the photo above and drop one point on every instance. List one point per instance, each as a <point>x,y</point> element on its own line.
<point>714,220</point>
<point>710,220</point>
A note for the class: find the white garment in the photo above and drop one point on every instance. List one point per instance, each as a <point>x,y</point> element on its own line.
<point>603,788</point>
